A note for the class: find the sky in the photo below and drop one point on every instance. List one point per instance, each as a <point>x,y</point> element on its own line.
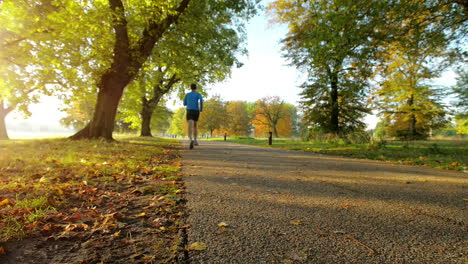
<point>264,73</point>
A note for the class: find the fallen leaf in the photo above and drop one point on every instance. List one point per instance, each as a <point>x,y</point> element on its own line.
<point>140,215</point>
<point>161,221</point>
<point>2,251</point>
<point>223,224</point>
<point>44,179</point>
<point>295,222</point>
<point>5,202</point>
<point>197,246</point>
<point>59,190</point>
<point>136,255</point>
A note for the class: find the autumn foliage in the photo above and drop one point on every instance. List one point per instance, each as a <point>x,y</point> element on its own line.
<point>241,118</point>
<point>272,115</point>
<point>123,196</point>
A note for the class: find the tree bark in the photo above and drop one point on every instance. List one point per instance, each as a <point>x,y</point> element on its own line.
<point>148,106</point>
<point>4,111</point>
<point>103,121</point>
<point>335,111</point>
<point>146,113</point>
<point>126,63</point>
<point>275,131</point>
<point>3,130</point>
<point>412,120</point>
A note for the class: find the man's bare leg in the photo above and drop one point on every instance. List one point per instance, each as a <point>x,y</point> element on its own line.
<point>195,132</point>
<point>190,132</point>
<point>190,129</point>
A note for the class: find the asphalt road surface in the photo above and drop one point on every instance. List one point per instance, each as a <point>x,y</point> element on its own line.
<point>284,206</point>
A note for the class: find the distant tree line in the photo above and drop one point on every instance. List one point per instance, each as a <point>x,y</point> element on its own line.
<point>240,118</point>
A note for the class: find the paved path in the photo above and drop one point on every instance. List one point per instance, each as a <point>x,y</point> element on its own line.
<point>293,207</point>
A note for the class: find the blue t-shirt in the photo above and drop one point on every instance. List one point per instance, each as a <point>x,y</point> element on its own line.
<point>191,101</point>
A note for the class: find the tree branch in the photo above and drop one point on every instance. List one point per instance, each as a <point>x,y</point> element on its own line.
<point>122,43</point>
<point>153,33</point>
<point>13,42</point>
<point>6,110</point>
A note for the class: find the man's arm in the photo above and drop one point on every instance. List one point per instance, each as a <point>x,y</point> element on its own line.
<point>185,100</point>
<point>201,103</point>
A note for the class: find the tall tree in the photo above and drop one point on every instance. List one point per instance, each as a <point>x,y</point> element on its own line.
<point>24,64</point>
<point>143,97</point>
<point>411,107</point>
<point>213,116</point>
<point>204,55</point>
<point>409,103</point>
<point>317,108</point>
<point>269,112</point>
<point>238,120</point>
<point>297,127</point>
<point>338,42</point>
<point>137,26</point>
<point>131,49</point>
<point>460,91</point>
<point>335,42</point>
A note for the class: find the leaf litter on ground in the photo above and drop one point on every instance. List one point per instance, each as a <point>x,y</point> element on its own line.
<point>77,202</point>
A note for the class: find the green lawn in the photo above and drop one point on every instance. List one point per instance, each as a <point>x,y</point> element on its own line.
<point>446,154</point>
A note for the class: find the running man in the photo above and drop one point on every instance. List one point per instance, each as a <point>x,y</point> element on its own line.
<point>194,103</point>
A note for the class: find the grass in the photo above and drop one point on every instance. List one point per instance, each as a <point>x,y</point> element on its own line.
<point>51,177</point>
<point>446,154</point>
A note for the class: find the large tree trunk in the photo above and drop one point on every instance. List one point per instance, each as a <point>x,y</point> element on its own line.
<point>275,131</point>
<point>127,61</point>
<point>146,114</point>
<point>103,121</point>
<point>335,111</point>
<point>412,126</point>
<point>4,111</point>
<point>112,82</point>
<point>412,119</point>
<point>148,106</point>
<point>3,130</point>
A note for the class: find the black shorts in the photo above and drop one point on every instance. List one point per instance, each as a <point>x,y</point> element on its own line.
<point>193,115</point>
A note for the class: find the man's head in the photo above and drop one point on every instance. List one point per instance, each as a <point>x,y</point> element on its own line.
<point>193,86</point>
